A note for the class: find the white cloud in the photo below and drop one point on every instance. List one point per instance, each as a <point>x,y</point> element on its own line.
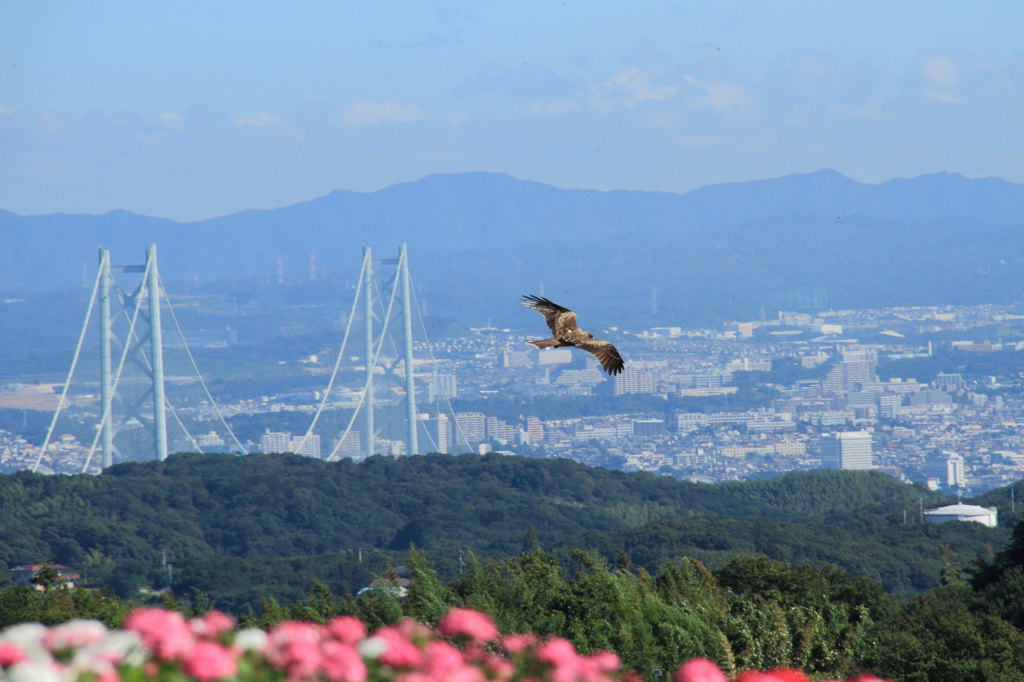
<point>947,97</point>
<point>171,120</point>
<point>560,106</point>
<point>720,96</point>
<point>4,111</point>
<point>263,120</point>
<point>942,71</point>
<point>629,88</point>
<point>366,113</point>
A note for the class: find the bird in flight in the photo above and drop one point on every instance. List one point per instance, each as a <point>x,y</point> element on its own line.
<point>564,332</point>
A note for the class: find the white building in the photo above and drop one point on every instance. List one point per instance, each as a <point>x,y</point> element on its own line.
<point>274,441</point>
<point>470,428</point>
<point>846,450</point>
<point>986,516</point>
<point>948,467</point>
<point>309,448</point>
<point>443,386</point>
<point>441,431</point>
<point>350,446</point>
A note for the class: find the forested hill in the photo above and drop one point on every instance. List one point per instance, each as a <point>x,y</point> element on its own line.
<point>222,516</point>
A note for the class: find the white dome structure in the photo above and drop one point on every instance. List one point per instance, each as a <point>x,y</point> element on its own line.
<point>987,516</point>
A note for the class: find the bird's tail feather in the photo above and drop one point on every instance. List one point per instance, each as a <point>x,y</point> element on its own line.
<point>546,343</point>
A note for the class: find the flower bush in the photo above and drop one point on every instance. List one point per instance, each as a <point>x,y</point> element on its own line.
<point>157,644</point>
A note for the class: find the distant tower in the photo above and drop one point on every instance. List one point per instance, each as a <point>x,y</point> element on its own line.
<point>312,267</point>
<point>280,271</point>
<point>541,288</point>
<point>148,292</point>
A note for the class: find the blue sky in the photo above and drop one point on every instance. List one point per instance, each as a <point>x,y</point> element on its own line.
<point>194,109</point>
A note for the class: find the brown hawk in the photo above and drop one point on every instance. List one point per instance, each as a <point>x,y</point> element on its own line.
<point>564,331</point>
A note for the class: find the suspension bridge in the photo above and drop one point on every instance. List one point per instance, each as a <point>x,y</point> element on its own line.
<point>133,399</point>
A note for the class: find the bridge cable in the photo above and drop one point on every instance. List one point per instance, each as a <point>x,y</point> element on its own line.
<point>337,363</point>
<point>120,367</point>
<point>376,357</point>
<point>71,372</point>
<point>188,351</point>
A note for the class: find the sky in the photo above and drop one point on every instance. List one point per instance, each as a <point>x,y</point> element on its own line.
<point>189,110</point>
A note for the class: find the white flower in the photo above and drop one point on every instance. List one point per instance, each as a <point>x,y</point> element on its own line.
<point>75,634</point>
<point>251,639</point>
<point>372,647</point>
<point>29,638</point>
<point>37,671</point>
<point>117,647</point>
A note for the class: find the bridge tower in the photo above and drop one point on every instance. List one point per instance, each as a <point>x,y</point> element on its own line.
<point>145,351</point>
<point>374,290</point>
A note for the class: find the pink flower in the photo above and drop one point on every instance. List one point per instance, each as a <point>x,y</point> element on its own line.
<point>794,675</point>
<point>295,648</point>
<point>444,663</point>
<point>401,653</point>
<point>558,652</point>
<point>165,633</point>
<point>866,677</point>
<point>604,661</point>
<point>209,661</point>
<point>517,644</point>
<point>347,630</point>
<point>341,662</point>
<point>500,668</point>
<point>412,630</point>
<point>700,670</point>
<point>108,676</point>
<point>468,623</point>
<point>10,654</point>
<point>211,624</point>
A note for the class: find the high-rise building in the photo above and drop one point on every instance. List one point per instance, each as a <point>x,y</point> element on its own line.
<point>311,448</point>
<point>211,440</point>
<point>443,386</point>
<point>846,450</point>
<point>648,427</point>
<point>275,441</point>
<point>889,405</point>
<point>629,381</point>
<point>857,367</point>
<point>500,431</point>
<point>948,467</point>
<point>350,447</point>
<point>517,358</point>
<point>470,428</point>
<point>441,431</point>
<point>950,382</point>
<point>535,429</point>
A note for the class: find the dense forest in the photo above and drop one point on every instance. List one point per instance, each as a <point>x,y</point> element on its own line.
<point>747,612</point>
<point>241,528</point>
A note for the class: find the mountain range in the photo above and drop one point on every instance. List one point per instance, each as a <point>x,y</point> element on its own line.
<point>479,240</point>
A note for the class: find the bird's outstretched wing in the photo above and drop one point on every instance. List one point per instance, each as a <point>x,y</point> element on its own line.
<point>551,312</point>
<point>605,352</point>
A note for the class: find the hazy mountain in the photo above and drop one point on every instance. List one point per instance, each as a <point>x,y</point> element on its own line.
<point>478,240</point>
